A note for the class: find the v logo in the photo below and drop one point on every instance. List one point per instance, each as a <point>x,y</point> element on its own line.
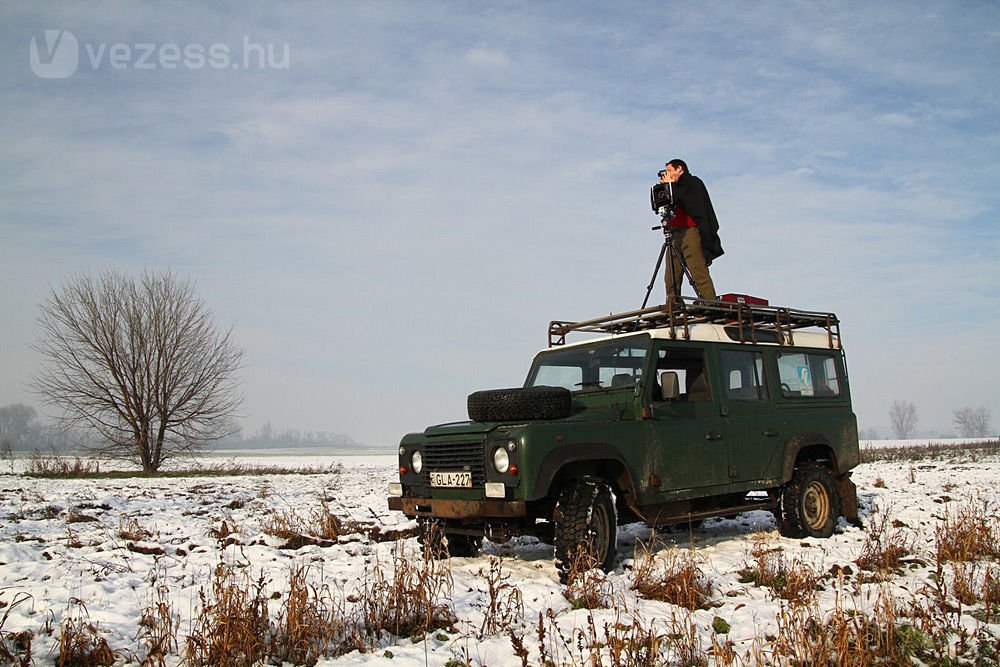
<point>51,46</point>
<point>55,54</point>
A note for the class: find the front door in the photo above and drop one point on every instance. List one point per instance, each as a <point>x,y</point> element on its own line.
<point>688,439</point>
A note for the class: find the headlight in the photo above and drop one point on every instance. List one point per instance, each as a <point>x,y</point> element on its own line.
<point>417,462</point>
<point>501,459</point>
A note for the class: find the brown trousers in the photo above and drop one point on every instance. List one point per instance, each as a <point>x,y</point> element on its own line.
<point>688,242</point>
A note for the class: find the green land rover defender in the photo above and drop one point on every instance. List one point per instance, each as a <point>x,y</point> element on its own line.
<point>665,415</point>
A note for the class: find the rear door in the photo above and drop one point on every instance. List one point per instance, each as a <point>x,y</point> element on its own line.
<point>754,425</point>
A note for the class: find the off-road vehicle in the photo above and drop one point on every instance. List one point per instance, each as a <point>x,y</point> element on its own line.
<point>670,415</point>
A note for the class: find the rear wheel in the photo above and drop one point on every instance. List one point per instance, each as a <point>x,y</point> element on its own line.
<point>586,526</point>
<point>809,504</point>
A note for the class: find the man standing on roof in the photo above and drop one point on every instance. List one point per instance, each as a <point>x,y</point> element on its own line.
<point>695,230</point>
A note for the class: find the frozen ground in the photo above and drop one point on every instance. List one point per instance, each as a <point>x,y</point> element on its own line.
<point>62,544</point>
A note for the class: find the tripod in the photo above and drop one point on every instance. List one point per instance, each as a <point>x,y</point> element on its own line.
<point>668,250</point>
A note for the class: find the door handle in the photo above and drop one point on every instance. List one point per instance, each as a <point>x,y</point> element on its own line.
<point>713,436</point>
<point>769,432</point>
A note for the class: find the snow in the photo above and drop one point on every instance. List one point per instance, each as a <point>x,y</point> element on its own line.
<point>49,553</point>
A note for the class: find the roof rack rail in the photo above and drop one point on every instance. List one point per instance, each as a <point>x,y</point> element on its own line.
<point>748,319</point>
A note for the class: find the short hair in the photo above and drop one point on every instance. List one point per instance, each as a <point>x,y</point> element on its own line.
<point>675,163</point>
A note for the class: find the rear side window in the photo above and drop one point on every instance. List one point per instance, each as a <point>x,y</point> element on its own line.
<point>808,375</point>
<point>744,373</point>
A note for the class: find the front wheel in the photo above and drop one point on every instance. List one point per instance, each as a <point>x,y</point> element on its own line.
<point>809,504</point>
<point>586,526</point>
<point>437,542</point>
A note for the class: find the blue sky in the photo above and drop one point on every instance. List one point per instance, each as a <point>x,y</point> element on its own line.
<point>390,215</point>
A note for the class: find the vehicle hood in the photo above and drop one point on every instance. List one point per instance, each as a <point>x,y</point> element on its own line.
<point>460,428</point>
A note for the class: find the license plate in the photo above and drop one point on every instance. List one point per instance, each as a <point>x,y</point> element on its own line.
<point>452,479</point>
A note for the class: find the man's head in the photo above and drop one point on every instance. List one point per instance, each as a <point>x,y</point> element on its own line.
<point>675,169</point>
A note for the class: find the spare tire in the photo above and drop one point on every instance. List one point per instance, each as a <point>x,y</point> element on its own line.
<point>518,404</point>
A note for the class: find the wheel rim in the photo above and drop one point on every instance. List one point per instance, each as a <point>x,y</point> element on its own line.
<point>815,506</point>
<point>601,526</point>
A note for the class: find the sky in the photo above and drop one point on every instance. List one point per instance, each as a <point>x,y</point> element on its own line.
<point>389,201</point>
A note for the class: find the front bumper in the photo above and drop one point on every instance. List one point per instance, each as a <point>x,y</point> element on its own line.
<point>458,509</point>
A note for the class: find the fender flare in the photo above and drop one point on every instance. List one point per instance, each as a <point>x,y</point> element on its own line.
<point>802,441</point>
<point>593,455</point>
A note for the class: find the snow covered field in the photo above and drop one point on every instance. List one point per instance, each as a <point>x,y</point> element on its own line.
<point>105,549</point>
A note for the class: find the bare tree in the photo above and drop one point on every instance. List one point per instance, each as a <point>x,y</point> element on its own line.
<point>903,418</point>
<point>972,422</point>
<point>140,362</point>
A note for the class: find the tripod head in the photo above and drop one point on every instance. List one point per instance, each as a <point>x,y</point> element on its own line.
<point>666,214</point>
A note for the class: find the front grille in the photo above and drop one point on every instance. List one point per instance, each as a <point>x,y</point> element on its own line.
<point>455,457</point>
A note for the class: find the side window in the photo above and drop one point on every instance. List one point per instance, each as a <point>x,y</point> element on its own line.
<point>744,374</point>
<point>808,375</point>
<point>686,367</point>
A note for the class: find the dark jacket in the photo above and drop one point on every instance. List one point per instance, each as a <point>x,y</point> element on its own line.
<point>691,193</point>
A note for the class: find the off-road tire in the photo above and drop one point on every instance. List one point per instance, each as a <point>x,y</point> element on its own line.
<point>438,543</point>
<point>585,517</point>
<point>463,546</point>
<point>809,503</point>
<point>524,403</point>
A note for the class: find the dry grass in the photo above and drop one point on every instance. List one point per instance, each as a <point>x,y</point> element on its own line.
<point>413,602</point>
<point>505,605</point>
<point>15,647</point>
<point>842,636</point>
<point>792,580</point>
<point>53,465</point>
<point>587,586</point>
<point>321,523</point>
<point>326,525</point>
<point>232,625</point>
<point>281,524</point>
<point>929,451</point>
<point>312,623</point>
<point>976,583</point>
<point>158,627</point>
<point>62,467</point>
<point>885,546</point>
<point>969,533</point>
<point>627,640</point>
<point>81,643</point>
<point>130,529</point>
<point>675,578</point>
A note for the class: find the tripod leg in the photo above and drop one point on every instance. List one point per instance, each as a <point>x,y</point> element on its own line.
<point>656,269</point>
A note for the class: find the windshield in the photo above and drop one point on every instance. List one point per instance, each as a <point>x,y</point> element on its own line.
<point>603,365</point>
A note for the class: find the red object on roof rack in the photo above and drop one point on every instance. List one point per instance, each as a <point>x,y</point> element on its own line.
<point>744,298</point>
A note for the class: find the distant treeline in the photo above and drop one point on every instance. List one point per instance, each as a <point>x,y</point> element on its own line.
<point>21,430</point>
<point>267,437</point>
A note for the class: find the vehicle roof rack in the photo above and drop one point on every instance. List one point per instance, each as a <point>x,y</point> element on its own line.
<point>748,320</point>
